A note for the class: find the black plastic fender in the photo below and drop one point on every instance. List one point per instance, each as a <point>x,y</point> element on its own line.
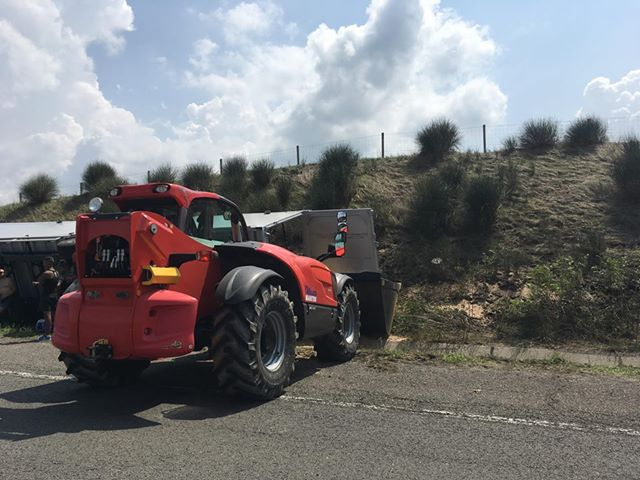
<point>341,280</point>
<point>242,283</point>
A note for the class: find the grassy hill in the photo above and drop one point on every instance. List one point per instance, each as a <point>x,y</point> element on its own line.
<point>562,241</point>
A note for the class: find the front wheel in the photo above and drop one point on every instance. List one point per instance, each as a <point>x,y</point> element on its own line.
<point>254,345</point>
<point>341,344</point>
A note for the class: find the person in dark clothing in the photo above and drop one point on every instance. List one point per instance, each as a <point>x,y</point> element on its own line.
<point>7,291</point>
<point>47,284</point>
<point>66,274</point>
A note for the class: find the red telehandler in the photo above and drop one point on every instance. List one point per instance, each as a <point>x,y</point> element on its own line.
<point>174,272</point>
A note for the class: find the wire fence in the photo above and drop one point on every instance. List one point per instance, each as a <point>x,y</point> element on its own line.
<point>481,138</point>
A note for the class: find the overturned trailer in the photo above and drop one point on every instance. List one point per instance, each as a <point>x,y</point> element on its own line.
<point>23,246</point>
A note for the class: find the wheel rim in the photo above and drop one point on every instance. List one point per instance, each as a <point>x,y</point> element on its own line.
<point>349,323</point>
<point>273,341</point>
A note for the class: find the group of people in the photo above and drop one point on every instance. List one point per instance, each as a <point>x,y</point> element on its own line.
<point>51,283</point>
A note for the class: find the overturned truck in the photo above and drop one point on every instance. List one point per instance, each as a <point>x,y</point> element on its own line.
<point>176,271</point>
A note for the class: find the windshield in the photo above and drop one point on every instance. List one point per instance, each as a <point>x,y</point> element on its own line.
<point>167,207</point>
<point>213,222</point>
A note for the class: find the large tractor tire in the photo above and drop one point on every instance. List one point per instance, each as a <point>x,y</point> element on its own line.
<point>254,345</point>
<point>341,345</point>
<point>103,373</point>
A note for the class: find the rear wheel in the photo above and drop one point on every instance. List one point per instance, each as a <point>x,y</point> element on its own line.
<point>253,345</point>
<point>341,345</point>
<point>103,373</point>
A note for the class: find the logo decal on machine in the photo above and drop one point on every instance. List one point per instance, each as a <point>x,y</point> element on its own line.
<point>310,295</point>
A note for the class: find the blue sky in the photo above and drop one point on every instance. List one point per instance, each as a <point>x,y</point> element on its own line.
<point>549,50</point>
<point>552,49</point>
<point>138,83</point>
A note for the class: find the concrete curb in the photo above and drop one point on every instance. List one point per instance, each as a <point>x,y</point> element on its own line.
<point>505,352</point>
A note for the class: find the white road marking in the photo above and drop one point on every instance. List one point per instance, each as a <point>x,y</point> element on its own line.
<point>35,376</point>
<point>471,416</point>
<point>419,411</point>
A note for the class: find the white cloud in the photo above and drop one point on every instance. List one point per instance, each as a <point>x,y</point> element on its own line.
<point>100,21</point>
<point>202,55</point>
<point>611,99</point>
<point>409,62</point>
<point>52,108</point>
<point>246,20</point>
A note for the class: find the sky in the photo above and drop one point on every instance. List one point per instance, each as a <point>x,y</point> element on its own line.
<point>138,83</point>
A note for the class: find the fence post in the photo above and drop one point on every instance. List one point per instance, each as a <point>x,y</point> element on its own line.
<point>297,154</point>
<point>220,166</point>
<point>382,139</point>
<point>484,138</point>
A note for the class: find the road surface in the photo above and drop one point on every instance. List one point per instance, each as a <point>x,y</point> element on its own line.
<point>360,420</point>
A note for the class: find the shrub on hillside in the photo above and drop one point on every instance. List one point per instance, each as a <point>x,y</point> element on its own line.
<point>626,169</point>
<point>592,246</point>
<point>509,177</point>
<point>436,141</point>
<point>510,144</point>
<point>385,212</point>
<point>233,180</point>
<point>539,134</point>
<point>165,173</point>
<point>95,172</point>
<point>333,184</point>
<point>199,176</point>
<point>283,188</point>
<point>262,173</point>
<point>481,200</point>
<point>452,174</point>
<point>431,207</point>
<point>103,186</point>
<point>262,201</point>
<point>586,132</point>
<point>571,299</point>
<point>38,189</point>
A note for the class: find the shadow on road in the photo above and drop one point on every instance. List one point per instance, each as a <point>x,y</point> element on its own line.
<point>69,407</point>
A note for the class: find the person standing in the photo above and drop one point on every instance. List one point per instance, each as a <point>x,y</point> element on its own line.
<point>7,290</point>
<point>47,284</point>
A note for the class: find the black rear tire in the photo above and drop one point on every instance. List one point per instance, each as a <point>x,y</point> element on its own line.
<point>103,373</point>
<point>342,344</point>
<point>254,345</point>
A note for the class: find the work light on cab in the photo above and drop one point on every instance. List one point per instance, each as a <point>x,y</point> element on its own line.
<point>95,204</point>
<point>162,188</point>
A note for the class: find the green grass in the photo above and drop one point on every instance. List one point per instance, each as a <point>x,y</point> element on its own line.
<point>17,332</point>
<point>383,359</point>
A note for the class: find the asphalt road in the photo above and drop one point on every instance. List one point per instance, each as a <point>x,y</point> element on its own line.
<point>358,420</point>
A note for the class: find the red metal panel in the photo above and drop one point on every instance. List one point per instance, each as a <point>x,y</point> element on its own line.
<point>314,277</point>
<point>163,324</point>
<point>65,334</point>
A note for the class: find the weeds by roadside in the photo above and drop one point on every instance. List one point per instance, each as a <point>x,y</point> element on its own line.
<point>17,332</point>
<point>384,360</point>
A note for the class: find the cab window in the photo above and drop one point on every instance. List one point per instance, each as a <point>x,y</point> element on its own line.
<point>213,222</point>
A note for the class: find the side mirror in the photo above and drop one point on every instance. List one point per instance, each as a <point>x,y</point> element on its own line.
<point>338,249</point>
<point>339,244</point>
